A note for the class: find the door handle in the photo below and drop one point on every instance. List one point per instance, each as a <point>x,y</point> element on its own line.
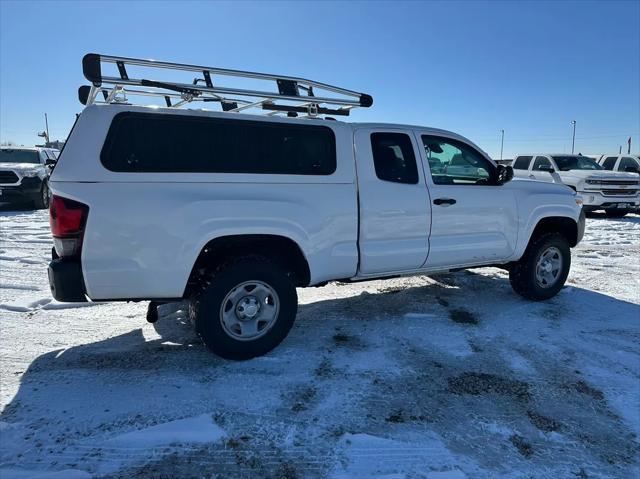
<point>444,201</point>
<point>532,177</point>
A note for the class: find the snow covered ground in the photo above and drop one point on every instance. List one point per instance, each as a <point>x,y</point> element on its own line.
<point>446,377</point>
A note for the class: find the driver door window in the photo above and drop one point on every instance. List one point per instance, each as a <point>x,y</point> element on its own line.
<point>453,163</point>
<point>541,164</point>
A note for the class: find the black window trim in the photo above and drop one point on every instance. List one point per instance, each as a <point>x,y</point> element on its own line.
<point>615,162</point>
<point>413,151</point>
<point>135,114</point>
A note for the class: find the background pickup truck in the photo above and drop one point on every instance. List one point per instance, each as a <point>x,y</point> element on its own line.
<point>616,193</point>
<point>24,174</point>
<point>234,211</point>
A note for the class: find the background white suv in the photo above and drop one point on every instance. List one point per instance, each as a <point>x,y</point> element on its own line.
<point>614,192</point>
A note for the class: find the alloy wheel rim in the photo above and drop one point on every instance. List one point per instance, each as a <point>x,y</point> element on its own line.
<point>548,267</point>
<point>249,310</point>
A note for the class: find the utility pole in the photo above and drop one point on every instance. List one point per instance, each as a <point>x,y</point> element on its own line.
<point>573,141</point>
<point>620,150</point>
<point>46,122</point>
<point>501,144</point>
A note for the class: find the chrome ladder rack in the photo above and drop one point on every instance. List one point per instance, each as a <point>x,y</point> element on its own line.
<point>298,94</point>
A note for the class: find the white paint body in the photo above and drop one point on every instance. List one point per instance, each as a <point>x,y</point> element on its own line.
<point>145,230</point>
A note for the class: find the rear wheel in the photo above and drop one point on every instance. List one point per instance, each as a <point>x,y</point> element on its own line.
<point>543,269</point>
<point>247,309</point>
<point>616,213</point>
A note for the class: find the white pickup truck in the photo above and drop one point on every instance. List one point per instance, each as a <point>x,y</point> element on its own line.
<point>233,211</point>
<point>616,193</point>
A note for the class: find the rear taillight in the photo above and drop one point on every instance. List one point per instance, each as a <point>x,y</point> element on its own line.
<point>68,219</point>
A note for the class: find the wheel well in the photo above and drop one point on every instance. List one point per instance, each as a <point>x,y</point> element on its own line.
<point>567,227</point>
<point>279,249</point>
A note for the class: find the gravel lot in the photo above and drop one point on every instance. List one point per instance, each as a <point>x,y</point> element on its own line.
<point>446,377</point>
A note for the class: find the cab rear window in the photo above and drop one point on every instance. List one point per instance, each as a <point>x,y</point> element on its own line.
<point>142,142</point>
<point>522,163</point>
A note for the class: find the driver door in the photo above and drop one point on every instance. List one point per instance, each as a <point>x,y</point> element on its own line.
<point>473,221</point>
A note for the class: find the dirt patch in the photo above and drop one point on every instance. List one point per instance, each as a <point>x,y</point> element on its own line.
<point>523,447</point>
<point>324,369</point>
<point>483,383</point>
<point>442,301</point>
<point>462,316</point>
<point>396,417</point>
<point>583,388</point>
<point>543,423</point>
<point>475,347</point>
<point>400,416</point>
<point>302,398</point>
<point>341,339</point>
<point>237,442</point>
<point>287,471</point>
<point>553,313</point>
<point>391,289</point>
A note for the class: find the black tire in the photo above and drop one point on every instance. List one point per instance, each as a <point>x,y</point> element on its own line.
<point>42,202</point>
<point>522,274</point>
<point>616,213</point>
<point>206,308</point>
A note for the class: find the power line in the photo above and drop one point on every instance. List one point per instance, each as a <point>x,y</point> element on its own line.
<point>557,138</point>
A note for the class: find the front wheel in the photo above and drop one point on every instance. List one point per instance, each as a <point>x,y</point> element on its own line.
<point>247,309</point>
<point>42,201</point>
<point>616,213</point>
<point>543,269</point>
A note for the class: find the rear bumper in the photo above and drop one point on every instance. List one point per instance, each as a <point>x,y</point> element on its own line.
<point>66,281</point>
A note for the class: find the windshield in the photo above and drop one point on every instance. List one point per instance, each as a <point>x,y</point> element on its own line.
<point>19,156</point>
<point>566,163</point>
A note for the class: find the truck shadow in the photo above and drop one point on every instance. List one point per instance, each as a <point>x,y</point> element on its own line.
<point>423,358</point>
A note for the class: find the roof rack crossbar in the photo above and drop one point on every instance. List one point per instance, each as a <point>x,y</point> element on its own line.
<point>300,91</point>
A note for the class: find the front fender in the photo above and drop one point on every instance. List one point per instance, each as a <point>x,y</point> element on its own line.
<point>542,211</point>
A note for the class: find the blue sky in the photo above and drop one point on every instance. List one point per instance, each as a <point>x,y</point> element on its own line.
<point>472,67</point>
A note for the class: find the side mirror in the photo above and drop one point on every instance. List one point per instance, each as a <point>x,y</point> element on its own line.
<point>632,169</point>
<point>547,168</point>
<point>505,174</point>
<point>49,162</point>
